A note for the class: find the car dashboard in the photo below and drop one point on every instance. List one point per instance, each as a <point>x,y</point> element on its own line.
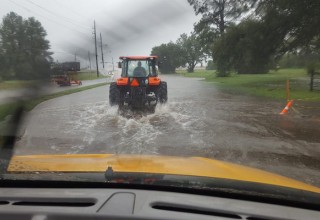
<point>111,203</point>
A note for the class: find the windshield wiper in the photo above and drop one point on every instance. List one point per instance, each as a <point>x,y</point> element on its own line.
<point>9,139</point>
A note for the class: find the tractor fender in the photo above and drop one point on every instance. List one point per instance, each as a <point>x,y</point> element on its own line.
<point>154,81</point>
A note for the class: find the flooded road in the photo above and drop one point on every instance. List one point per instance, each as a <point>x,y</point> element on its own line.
<point>198,120</point>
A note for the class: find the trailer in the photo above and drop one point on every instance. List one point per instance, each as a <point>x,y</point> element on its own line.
<point>66,74</point>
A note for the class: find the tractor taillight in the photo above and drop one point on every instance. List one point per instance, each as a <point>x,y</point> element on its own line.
<point>122,81</point>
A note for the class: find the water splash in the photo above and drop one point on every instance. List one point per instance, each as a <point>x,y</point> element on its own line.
<point>103,129</point>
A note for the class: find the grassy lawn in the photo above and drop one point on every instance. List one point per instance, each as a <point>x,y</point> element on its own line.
<point>272,85</point>
<point>89,75</point>
<point>6,109</point>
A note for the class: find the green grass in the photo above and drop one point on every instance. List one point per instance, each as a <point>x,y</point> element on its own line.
<point>6,109</point>
<point>271,85</point>
<point>89,75</point>
<point>197,73</point>
<point>15,84</point>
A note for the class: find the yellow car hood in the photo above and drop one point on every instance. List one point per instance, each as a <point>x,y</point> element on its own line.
<point>193,166</point>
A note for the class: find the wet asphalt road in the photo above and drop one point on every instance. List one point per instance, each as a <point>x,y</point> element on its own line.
<point>198,120</point>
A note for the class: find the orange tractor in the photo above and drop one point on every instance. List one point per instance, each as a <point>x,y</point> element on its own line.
<point>139,86</point>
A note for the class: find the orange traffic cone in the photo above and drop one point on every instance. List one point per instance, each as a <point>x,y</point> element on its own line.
<point>285,110</point>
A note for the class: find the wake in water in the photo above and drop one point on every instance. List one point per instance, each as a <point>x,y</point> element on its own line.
<point>103,129</point>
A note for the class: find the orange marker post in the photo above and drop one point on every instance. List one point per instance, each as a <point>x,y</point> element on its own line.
<point>286,109</point>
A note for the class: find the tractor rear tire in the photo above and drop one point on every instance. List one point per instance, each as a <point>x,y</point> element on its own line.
<point>163,93</point>
<point>114,94</point>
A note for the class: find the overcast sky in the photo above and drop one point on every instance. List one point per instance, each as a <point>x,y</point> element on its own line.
<point>128,27</point>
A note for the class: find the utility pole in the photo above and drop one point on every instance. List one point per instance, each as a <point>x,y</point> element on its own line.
<point>75,57</point>
<point>89,60</point>
<point>112,64</point>
<point>101,50</point>
<point>95,45</point>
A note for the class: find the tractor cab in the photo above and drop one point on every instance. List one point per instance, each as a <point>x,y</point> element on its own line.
<point>138,66</point>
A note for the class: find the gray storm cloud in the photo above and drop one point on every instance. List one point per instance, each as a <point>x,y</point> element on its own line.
<point>127,27</point>
<point>127,32</point>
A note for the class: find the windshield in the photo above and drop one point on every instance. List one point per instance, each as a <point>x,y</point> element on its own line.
<point>226,90</point>
<point>137,68</point>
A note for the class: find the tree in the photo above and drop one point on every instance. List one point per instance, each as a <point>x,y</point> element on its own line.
<point>24,48</point>
<point>206,36</point>
<point>11,34</point>
<point>222,56</point>
<point>295,24</point>
<point>192,50</point>
<point>248,47</point>
<point>281,26</point>
<point>170,57</point>
<point>216,16</point>
<point>297,19</point>
<point>219,13</point>
<point>254,45</point>
<point>36,48</point>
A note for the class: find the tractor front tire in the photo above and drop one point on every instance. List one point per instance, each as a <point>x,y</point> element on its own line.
<point>163,93</point>
<point>114,94</point>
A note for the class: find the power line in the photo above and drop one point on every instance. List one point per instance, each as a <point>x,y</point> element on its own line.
<point>60,24</point>
<point>68,8</point>
<point>71,21</point>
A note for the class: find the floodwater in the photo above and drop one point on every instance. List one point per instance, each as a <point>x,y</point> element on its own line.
<point>198,120</point>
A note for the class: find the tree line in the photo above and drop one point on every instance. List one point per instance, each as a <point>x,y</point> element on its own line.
<point>186,51</point>
<point>248,36</point>
<point>24,49</point>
